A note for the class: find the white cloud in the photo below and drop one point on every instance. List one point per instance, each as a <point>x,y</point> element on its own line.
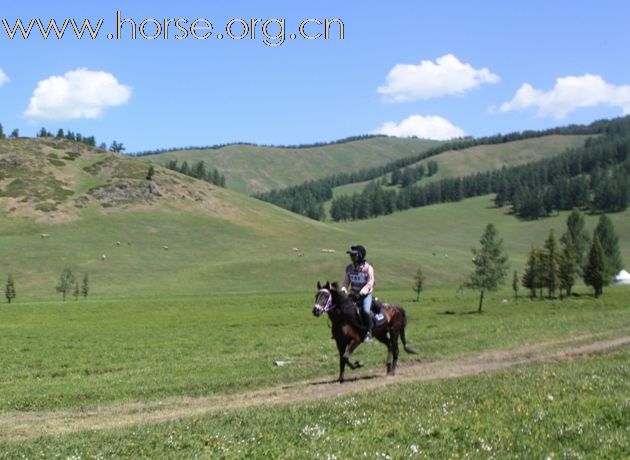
<point>425,127</point>
<point>79,93</point>
<point>569,94</point>
<point>4,78</point>
<point>448,75</point>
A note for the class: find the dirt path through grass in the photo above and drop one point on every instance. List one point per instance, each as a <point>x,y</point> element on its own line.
<point>23,425</point>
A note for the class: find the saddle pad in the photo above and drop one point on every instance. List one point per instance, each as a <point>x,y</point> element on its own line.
<point>379,319</point>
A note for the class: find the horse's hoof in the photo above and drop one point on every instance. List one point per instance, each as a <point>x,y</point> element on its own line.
<point>358,364</point>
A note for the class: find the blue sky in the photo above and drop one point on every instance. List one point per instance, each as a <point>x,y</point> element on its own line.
<point>431,69</point>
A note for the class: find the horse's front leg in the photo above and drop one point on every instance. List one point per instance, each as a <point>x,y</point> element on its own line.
<point>342,366</point>
<point>354,343</point>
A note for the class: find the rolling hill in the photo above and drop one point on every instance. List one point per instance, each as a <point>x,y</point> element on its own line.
<point>481,158</point>
<point>174,235</point>
<point>251,169</point>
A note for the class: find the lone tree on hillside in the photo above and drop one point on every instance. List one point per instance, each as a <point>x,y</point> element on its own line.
<point>66,282</point>
<point>491,263</point>
<point>150,173</point>
<point>117,147</point>
<point>610,245</point>
<point>418,283</point>
<point>9,290</point>
<point>595,271</point>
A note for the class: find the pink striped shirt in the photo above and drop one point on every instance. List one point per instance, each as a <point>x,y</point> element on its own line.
<point>356,278</point>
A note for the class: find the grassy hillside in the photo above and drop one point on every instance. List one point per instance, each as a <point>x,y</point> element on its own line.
<point>207,254</point>
<point>189,237</point>
<point>250,169</point>
<point>481,158</point>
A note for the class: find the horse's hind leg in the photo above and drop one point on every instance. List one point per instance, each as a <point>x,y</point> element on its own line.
<point>388,360</point>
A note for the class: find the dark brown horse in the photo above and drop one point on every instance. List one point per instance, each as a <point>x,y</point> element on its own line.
<point>347,330</point>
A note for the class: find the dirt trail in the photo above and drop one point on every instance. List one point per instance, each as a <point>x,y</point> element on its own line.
<point>24,425</point>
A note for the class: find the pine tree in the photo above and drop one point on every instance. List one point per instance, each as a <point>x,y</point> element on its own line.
<point>515,285</point>
<point>532,278</point>
<point>199,170</point>
<point>150,173</point>
<point>116,147</point>
<point>551,263</point>
<point>568,264</point>
<point>581,240</point>
<point>9,291</point>
<point>491,263</point>
<point>185,168</point>
<point>85,286</point>
<point>76,291</point>
<point>396,177</point>
<point>418,283</point>
<point>610,244</point>
<point>595,271</point>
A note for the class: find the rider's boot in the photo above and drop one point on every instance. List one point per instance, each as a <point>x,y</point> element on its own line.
<point>367,320</point>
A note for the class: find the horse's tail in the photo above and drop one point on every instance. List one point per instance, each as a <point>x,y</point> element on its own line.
<point>402,333</point>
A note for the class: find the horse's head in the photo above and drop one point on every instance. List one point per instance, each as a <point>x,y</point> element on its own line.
<point>323,299</point>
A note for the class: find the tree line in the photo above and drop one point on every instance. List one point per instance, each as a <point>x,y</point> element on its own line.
<point>90,141</point>
<point>595,176</point>
<point>556,267</point>
<point>287,146</point>
<point>68,284</point>
<point>198,171</point>
<point>304,198</point>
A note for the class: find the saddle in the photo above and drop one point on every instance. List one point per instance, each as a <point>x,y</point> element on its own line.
<point>378,318</point>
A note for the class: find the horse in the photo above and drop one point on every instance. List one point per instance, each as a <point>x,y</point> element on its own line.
<point>348,331</point>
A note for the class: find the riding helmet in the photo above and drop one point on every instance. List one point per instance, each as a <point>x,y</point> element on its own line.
<point>357,250</point>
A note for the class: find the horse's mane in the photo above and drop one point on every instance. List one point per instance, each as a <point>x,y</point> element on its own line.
<point>345,305</point>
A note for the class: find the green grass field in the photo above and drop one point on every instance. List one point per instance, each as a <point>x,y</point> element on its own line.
<point>577,409</point>
<point>82,355</point>
<point>253,252</point>
<point>187,315</point>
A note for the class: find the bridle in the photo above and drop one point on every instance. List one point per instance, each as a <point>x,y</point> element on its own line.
<point>319,309</point>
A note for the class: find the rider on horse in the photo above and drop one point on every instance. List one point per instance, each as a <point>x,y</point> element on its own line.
<point>359,278</point>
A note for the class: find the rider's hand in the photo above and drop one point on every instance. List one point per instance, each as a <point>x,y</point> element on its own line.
<point>364,291</point>
<point>344,290</point>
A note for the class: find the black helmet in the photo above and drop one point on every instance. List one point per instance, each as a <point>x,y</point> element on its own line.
<point>357,251</point>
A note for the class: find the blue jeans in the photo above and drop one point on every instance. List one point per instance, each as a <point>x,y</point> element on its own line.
<point>367,303</point>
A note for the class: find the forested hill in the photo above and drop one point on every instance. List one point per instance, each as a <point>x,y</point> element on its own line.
<point>594,175</point>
